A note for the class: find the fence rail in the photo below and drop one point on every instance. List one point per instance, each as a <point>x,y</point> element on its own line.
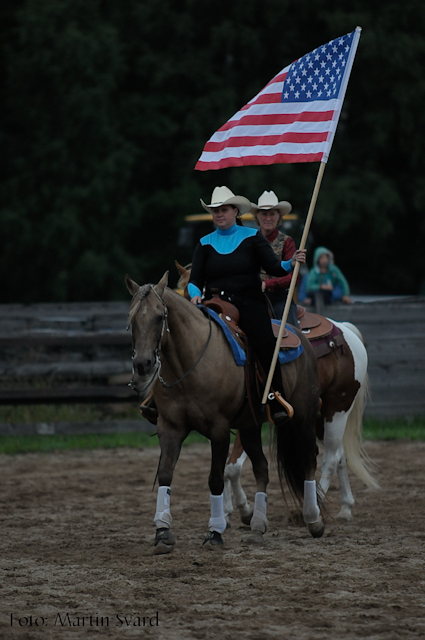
<point>52,395</point>
<point>77,428</point>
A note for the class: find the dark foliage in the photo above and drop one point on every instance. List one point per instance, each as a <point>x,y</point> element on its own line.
<point>105,108</point>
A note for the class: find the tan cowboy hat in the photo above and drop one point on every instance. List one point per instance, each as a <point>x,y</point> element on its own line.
<point>223,195</point>
<point>268,200</point>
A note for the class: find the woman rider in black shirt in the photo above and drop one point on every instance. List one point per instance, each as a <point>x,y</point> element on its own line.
<point>230,260</point>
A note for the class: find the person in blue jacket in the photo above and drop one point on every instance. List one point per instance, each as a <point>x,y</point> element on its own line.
<point>230,260</point>
<point>325,277</point>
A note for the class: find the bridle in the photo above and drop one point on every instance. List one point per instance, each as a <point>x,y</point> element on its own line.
<point>158,363</point>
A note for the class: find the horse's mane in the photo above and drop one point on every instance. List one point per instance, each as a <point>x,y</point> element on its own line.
<point>137,300</point>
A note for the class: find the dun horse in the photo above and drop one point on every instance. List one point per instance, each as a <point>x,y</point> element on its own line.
<point>184,358</point>
<point>343,383</point>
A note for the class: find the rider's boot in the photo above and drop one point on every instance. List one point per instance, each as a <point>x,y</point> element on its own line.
<point>150,413</point>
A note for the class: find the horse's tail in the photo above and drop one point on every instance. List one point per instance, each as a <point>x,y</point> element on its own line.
<point>295,452</point>
<point>357,458</point>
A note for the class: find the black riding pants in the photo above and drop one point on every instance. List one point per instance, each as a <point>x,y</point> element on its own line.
<point>255,321</point>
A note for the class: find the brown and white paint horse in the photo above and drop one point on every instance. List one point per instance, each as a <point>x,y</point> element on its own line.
<point>344,388</point>
<point>185,360</point>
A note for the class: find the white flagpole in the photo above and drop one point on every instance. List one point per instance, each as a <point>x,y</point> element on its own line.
<point>294,279</point>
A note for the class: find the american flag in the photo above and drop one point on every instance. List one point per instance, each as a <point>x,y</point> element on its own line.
<point>294,118</point>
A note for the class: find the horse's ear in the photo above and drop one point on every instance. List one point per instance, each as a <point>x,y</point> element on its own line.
<point>162,284</point>
<point>132,286</point>
<point>182,270</point>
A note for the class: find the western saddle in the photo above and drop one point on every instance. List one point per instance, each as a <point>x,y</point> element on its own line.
<point>313,326</point>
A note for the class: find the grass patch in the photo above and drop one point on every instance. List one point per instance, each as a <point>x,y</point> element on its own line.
<point>398,429</point>
<point>374,429</point>
<point>45,444</point>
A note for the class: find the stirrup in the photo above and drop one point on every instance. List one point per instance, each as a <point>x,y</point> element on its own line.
<point>278,419</point>
<point>289,410</point>
<point>288,407</point>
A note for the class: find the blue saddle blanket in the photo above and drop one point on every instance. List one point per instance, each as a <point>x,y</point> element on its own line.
<point>285,355</point>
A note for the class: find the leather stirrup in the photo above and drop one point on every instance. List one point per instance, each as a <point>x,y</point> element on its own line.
<point>288,407</point>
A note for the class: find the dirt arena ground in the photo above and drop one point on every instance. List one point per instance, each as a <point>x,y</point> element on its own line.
<point>77,555</point>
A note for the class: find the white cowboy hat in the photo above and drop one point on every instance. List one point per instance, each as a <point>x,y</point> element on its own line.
<point>222,196</point>
<point>268,200</point>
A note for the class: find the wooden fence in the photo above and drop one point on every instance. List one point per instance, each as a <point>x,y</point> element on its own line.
<point>394,335</point>
<point>65,352</point>
<point>81,352</point>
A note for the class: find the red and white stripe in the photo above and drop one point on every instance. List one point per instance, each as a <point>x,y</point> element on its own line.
<point>267,131</point>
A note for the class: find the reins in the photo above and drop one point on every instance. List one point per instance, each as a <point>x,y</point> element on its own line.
<point>158,363</point>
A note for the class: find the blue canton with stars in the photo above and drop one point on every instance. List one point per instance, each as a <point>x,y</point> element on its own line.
<point>318,75</point>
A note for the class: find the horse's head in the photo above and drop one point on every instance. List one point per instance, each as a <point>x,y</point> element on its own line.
<point>184,273</point>
<point>148,320</point>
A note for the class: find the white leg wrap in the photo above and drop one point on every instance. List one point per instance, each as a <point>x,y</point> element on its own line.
<point>259,519</point>
<point>217,521</point>
<point>163,514</point>
<point>311,512</point>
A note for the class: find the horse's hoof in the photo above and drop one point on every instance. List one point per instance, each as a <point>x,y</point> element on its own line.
<point>345,514</point>
<point>161,548</point>
<point>246,516</point>
<point>213,540</point>
<point>317,528</point>
<point>164,541</point>
<point>245,513</point>
<point>253,537</point>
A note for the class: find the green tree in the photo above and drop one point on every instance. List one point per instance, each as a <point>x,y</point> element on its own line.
<point>106,107</point>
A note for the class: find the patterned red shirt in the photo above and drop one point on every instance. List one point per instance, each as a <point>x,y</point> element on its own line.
<point>284,247</point>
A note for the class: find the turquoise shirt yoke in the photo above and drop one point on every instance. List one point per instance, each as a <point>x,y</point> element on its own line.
<point>227,240</point>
